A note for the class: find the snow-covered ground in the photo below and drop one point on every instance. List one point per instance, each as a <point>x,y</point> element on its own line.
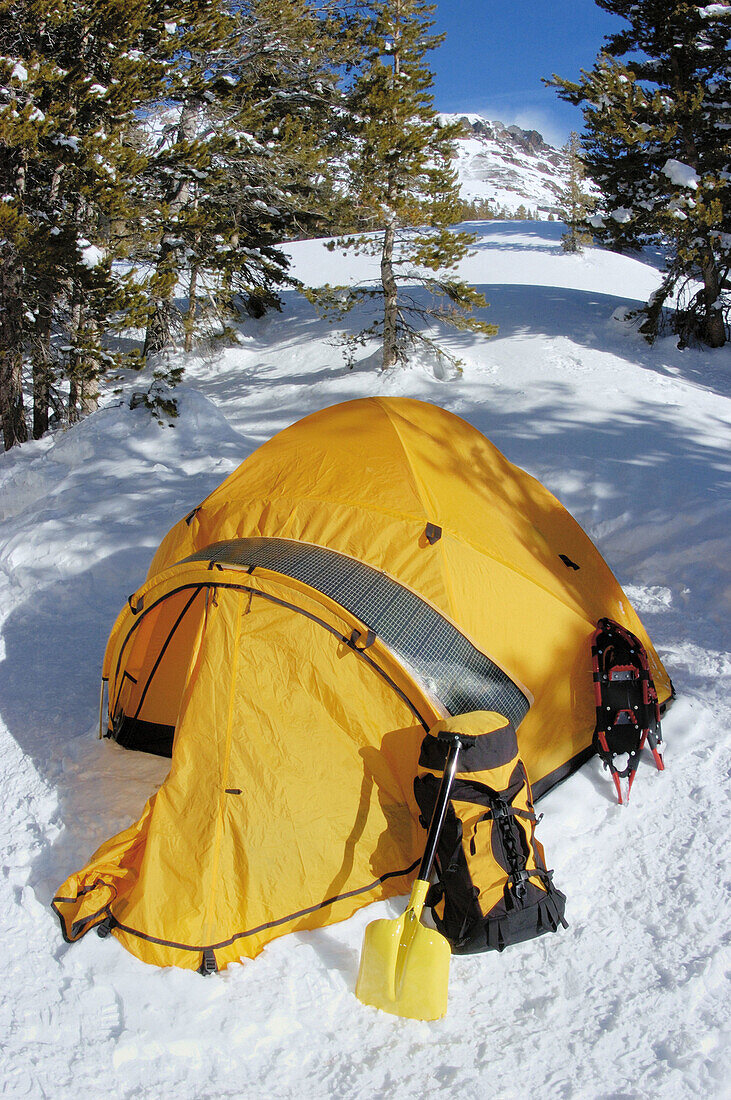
<point>633,999</point>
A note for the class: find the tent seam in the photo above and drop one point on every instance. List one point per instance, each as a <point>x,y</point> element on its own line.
<point>224,769</point>
<point>422,492</point>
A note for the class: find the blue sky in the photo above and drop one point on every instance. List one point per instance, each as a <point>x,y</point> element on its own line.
<point>496,53</point>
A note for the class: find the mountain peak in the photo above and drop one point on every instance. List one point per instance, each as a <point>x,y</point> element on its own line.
<point>508,167</point>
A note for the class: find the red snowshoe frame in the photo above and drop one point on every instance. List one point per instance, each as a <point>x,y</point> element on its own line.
<point>627,709</point>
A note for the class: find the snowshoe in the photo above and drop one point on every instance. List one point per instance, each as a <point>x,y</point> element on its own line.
<point>627,710</point>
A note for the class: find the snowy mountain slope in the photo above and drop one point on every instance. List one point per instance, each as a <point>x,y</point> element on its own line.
<point>508,167</point>
<point>632,999</point>
<point>503,165</point>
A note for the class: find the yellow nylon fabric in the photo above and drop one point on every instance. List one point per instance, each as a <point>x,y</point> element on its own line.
<point>365,477</point>
<point>270,811</point>
<point>268,700</point>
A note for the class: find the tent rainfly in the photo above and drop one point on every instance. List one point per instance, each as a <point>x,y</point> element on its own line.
<point>371,573</point>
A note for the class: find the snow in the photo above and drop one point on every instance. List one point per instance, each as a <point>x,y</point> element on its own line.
<point>19,72</point>
<point>682,175</point>
<point>67,142</point>
<point>91,254</point>
<point>633,999</point>
<point>494,166</point>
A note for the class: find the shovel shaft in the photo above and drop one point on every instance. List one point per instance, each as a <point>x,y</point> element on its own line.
<point>404,966</point>
<point>440,810</point>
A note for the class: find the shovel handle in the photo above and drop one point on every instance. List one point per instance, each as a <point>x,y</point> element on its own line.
<point>440,810</point>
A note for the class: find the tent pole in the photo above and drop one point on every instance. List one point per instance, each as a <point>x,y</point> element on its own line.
<point>101,709</point>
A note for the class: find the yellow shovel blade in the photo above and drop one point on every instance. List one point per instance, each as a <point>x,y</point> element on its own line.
<point>404,967</point>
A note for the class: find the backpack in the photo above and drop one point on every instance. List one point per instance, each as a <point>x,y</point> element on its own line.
<point>493,887</point>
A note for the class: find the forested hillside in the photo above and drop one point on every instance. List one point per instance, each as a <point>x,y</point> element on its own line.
<point>155,156</point>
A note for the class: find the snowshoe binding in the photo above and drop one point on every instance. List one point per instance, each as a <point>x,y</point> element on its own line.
<point>627,710</point>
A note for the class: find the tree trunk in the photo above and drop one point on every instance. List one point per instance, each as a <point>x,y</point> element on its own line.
<point>90,374</point>
<point>73,415</point>
<point>189,321</point>
<point>713,330</point>
<point>159,333</point>
<point>390,299</point>
<point>75,362</point>
<point>388,280</point>
<point>89,395</point>
<point>42,369</point>
<point>190,316</point>
<point>12,413</point>
<point>42,372</point>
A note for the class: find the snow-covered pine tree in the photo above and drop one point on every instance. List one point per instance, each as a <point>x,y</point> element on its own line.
<point>24,127</point>
<point>657,112</point>
<point>17,140</point>
<point>247,160</point>
<point>403,184</point>
<point>288,93</point>
<point>576,204</point>
<point>110,57</point>
<point>274,179</point>
<point>74,74</point>
<point>181,154</point>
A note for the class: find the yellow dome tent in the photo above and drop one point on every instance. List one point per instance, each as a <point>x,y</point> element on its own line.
<point>366,574</point>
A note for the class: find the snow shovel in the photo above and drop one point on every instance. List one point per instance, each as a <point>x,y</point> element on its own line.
<point>404,966</point>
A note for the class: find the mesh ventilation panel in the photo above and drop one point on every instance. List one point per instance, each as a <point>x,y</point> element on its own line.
<point>433,650</point>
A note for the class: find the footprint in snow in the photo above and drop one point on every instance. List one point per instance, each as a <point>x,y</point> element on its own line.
<point>100,1014</point>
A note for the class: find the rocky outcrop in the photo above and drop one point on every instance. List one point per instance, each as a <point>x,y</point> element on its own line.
<point>511,169</point>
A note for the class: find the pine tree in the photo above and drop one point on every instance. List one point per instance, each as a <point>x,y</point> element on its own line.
<point>657,115</point>
<point>71,77</point>
<point>244,89</point>
<point>180,165</point>
<point>247,165</point>
<point>20,132</point>
<point>402,182</point>
<point>277,181</point>
<point>576,204</point>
